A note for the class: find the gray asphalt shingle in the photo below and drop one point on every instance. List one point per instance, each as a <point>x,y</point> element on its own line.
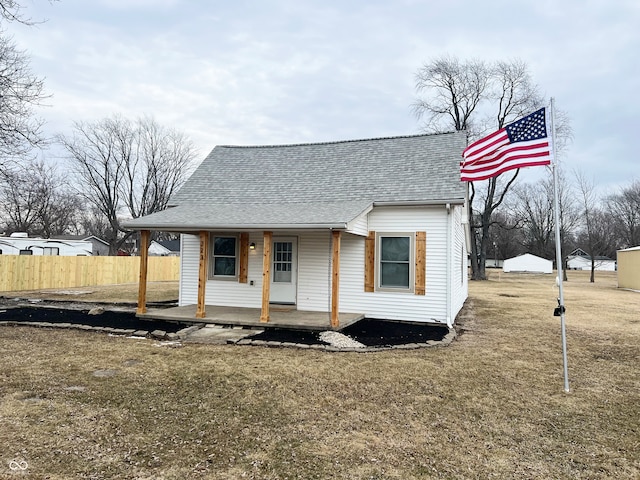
<point>307,184</point>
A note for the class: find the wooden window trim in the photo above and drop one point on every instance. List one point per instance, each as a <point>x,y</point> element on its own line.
<point>417,279</point>
<point>421,261</point>
<point>370,262</point>
<point>243,273</point>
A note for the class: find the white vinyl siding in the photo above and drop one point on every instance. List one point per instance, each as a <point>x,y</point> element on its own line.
<point>189,255</point>
<point>314,270</point>
<point>398,305</point>
<point>359,226</point>
<point>460,282</point>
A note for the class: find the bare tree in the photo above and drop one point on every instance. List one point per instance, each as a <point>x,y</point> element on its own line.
<point>454,92</point>
<point>624,206</point>
<point>35,198</point>
<point>20,92</point>
<point>534,208</point>
<point>597,237</point>
<point>127,169</point>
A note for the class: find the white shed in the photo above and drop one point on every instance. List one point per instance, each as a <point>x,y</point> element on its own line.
<point>528,263</point>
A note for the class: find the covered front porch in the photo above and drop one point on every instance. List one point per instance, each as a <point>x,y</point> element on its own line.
<point>280,317</point>
<point>269,315</point>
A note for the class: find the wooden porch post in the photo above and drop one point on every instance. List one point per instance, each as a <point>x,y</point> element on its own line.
<point>266,276</point>
<point>202,273</point>
<point>144,265</point>
<point>335,279</point>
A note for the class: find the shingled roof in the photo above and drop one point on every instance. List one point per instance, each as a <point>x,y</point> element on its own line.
<point>316,185</point>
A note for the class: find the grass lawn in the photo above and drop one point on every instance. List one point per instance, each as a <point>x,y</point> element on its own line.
<point>85,405</point>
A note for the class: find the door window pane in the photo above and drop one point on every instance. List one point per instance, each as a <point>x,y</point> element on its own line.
<point>282,261</point>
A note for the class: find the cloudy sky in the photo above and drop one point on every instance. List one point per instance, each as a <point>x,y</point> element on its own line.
<point>290,71</point>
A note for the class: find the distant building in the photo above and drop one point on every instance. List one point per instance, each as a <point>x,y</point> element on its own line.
<point>20,243</point>
<point>629,268</point>
<point>528,263</point>
<point>98,246</point>
<point>580,260</point>
<point>165,248</point>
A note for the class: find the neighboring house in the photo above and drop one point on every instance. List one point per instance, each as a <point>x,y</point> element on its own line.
<point>98,246</point>
<point>527,263</point>
<point>20,244</point>
<point>165,248</point>
<point>629,268</point>
<point>580,260</point>
<point>374,226</point>
<point>173,246</point>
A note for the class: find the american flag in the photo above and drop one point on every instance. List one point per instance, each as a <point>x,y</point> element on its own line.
<point>523,143</point>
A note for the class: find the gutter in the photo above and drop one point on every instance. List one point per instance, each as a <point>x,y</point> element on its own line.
<point>239,227</point>
<point>419,203</point>
<point>449,266</point>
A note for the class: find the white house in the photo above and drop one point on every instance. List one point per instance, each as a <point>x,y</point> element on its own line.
<point>528,263</point>
<point>99,246</point>
<point>374,227</point>
<point>581,260</point>
<point>20,244</point>
<point>166,248</point>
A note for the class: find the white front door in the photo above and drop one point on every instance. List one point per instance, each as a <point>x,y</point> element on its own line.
<point>284,269</point>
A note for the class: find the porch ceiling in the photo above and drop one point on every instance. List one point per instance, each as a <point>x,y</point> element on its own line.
<point>280,317</point>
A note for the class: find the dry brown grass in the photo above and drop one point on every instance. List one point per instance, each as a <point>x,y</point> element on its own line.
<point>489,406</point>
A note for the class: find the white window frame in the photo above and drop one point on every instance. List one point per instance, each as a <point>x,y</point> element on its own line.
<point>412,269</point>
<point>212,257</point>
<point>51,251</point>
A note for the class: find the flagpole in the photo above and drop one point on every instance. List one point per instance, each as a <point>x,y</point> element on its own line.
<point>560,310</point>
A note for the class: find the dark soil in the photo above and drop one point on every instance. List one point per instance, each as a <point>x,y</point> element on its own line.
<point>372,333</point>
<point>108,318</point>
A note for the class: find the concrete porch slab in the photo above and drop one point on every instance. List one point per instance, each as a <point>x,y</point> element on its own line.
<point>280,317</point>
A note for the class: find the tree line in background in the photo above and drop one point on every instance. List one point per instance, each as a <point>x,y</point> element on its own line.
<point>119,168</point>
<point>122,168</point>
<point>507,218</point>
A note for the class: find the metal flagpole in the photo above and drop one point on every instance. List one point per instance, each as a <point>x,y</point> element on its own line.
<point>560,310</point>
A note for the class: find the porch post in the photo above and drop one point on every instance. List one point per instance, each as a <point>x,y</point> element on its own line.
<point>335,279</point>
<point>144,265</point>
<point>266,276</point>
<point>202,273</point>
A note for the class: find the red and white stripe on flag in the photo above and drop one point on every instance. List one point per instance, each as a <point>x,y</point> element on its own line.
<point>523,143</point>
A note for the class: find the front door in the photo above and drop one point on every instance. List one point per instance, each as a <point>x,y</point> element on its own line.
<point>284,270</point>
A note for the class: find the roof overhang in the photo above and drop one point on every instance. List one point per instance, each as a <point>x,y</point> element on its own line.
<point>276,217</point>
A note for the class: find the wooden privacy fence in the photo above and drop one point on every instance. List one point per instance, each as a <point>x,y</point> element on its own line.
<point>26,272</point>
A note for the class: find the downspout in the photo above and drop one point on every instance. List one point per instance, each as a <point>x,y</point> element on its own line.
<point>448,269</point>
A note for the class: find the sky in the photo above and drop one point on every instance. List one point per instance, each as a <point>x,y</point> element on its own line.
<point>294,71</point>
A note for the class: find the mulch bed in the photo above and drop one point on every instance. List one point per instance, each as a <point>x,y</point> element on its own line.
<point>108,318</point>
<point>372,333</point>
